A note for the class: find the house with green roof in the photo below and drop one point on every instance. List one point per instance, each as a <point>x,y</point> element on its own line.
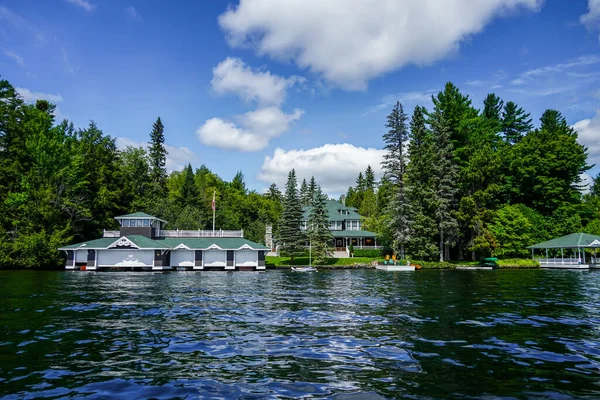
<point>142,243</point>
<point>345,224</point>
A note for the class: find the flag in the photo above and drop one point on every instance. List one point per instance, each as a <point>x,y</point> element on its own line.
<point>213,203</point>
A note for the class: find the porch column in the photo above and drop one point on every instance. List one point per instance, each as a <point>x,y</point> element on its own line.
<point>562,256</point>
<point>532,257</point>
<point>546,256</point>
<point>584,255</point>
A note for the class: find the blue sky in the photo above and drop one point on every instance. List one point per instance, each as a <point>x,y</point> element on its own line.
<point>266,86</point>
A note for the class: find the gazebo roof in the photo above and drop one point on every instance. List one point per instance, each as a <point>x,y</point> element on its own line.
<point>569,241</point>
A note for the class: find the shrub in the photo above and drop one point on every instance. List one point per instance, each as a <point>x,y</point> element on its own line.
<point>518,263</point>
<point>368,253</point>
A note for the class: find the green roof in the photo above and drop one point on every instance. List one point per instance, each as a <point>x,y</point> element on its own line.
<point>333,211</point>
<point>569,241</point>
<point>137,215</point>
<point>144,242</point>
<point>206,242</point>
<point>353,234</point>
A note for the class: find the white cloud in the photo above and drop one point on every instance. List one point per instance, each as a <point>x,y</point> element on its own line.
<point>132,13</point>
<point>66,63</point>
<point>334,166</point>
<point>350,42</point>
<point>30,96</point>
<point>232,75</point>
<point>86,5</point>
<point>17,58</point>
<point>177,157</point>
<point>531,74</point>
<point>591,20</point>
<point>407,99</point>
<point>588,131</point>
<point>258,128</point>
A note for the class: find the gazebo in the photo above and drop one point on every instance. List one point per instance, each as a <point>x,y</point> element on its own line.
<point>577,242</point>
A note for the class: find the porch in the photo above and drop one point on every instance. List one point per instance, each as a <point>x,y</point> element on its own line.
<point>574,251</point>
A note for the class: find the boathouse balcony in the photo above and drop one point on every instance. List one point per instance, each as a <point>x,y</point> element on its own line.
<point>198,233</point>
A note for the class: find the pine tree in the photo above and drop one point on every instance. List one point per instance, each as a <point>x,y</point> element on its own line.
<point>158,155</point>
<point>515,123</point>
<point>369,178</point>
<point>274,193</point>
<point>290,237</point>
<point>445,177</point>
<point>189,193</point>
<point>318,228</point>
<point>238,183</point>
<point>419,189</point>
<point>595,188</point>
<point>492,107</point>
<point>304,196</point>
<point>394,165</point>
<point>360,182</point>
<point>312,187</point>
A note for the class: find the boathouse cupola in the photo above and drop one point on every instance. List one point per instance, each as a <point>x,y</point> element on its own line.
<point>140,223</point>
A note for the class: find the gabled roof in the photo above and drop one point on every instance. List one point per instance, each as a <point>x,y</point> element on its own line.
<point>333,211</point>
<point>569,241</point>
<point>144,242</point>
<point>140,241</point>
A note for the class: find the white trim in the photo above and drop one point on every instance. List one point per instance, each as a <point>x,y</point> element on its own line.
<point>595,243</point>
<point>214,246</point>
<point>123,242</point>
<point>245,246</point>
<point>181,246</point>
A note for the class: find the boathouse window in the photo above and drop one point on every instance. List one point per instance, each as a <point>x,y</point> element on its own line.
<point>146,222</point>
<point>125,222</point>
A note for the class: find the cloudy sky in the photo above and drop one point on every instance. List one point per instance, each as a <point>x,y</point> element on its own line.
<point>264,86</point>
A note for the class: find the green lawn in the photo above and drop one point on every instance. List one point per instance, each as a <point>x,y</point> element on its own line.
<point>344,262</point>
<point>286,261</point>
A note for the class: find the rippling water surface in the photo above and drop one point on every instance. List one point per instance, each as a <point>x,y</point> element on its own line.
<point>339,334</point>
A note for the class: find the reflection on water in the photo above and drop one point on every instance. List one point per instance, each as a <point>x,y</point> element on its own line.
<point>338,334</point>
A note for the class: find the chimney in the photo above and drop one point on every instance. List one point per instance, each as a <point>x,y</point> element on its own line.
<point>343,200</point>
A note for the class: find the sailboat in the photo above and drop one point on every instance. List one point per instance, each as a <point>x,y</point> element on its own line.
<point>308,268</point>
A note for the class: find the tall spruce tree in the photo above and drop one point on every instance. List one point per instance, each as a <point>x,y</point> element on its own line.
<point>188,195</point>
<point>394,165</point>
<point>492,107</point>
<point>369,178</point>
<point>515,123</point>
<point>445,177</point>
<point>157,154</point>
<point>419,189</point>
<point>290,237</point>
<point>304,195</point>
<point>318,232</point>
<point>595,188</point>
<point>312,187</point>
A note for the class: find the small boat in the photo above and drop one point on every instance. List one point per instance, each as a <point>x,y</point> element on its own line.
<point>304,269</point>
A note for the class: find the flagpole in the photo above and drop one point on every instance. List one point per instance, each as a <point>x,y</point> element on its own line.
<point>214,208</point>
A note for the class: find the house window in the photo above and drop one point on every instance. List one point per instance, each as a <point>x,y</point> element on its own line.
<point>146,222</point>
<point>125,222</point>
<point>140,222</point>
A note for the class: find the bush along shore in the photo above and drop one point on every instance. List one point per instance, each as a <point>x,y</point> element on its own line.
<point>370,263</point>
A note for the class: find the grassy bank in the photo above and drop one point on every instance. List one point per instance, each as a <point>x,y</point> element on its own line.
<point>365,262</point>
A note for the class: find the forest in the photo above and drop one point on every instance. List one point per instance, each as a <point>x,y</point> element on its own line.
<point>61,185</point>
<point>458,183</point>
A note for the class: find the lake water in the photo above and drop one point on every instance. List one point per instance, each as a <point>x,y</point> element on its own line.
<point>336,334</point>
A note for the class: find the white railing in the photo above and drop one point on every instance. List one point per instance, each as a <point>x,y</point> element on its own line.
<point>111,234</point>
<point>201,233</point>
<point>566,261</point>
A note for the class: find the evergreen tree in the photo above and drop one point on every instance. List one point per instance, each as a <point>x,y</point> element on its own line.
<point>419,188</point>
<point>290,237</point>
<point>445,177</point>
<point>515,123</point>
<point>318,228</point>
<point>304,195</point>
<point>394,165</point>
<point>492,108</point>
<point>595,188</point>
<point>238,184</point>
<point>274,193</point>
<point>360,182</point>
<point>188,195</point>
<point>369,178</point>
<point>312,187</point>
<point>158,155</point>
